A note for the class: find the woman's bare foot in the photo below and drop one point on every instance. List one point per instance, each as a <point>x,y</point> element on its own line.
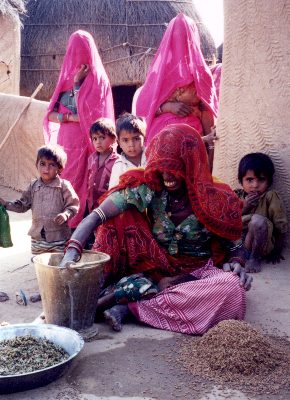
<point>253,265</point>
<point>116,315</point>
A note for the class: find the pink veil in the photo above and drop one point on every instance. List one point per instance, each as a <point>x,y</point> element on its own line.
<point>178,62</point>
<point>95,96</point>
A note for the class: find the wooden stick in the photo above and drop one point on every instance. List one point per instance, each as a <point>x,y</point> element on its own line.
<point>20,114</point>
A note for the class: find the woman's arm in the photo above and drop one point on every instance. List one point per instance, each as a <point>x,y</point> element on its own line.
<point>62,118</point>
<point>107,210</point>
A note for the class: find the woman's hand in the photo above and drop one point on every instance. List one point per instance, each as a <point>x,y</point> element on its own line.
<point>236,268</point>
<point>81,73</point>
<point>71,256</point>
<point>177,108</point>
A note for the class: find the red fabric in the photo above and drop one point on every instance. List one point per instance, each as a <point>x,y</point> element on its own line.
<point>94,101</point>
<point>178,62</point>
<point>179,149</point>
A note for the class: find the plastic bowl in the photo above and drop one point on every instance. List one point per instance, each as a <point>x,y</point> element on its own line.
<point>66,338</point>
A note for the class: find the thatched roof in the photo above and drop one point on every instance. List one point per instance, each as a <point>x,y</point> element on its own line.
<point>12,8</point>
<point>127,34</point>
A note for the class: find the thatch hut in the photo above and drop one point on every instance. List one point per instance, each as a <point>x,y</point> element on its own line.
<point>127,34</point>
<point>10,45</point>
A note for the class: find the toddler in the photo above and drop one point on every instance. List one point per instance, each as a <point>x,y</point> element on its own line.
<point>131,131</point>
<point>100,163</point>
<point>264,218</point>
<point>52,201</point>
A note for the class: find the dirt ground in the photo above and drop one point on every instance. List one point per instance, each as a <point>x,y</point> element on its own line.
<point>139,362</point>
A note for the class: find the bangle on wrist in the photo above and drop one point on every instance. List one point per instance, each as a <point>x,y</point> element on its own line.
<point>60,117</point>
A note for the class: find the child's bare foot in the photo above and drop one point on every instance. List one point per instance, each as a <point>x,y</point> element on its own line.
<point>116,315</point>
<point>253,265</point>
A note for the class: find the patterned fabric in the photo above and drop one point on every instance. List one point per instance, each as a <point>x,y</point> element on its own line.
<point>179,149</point>
<point>178,62</point>
<point>190,237</point>
<point>133,288</point>
<point>94,100</point>
<point>194,307</point>
<point>42,246</point>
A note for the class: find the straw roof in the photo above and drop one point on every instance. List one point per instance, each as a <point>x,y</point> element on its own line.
<point>127,34</point>
<point>12,8</point>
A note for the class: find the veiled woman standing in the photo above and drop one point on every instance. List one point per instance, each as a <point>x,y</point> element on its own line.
<point>179,86</point>
<point>82,94</point>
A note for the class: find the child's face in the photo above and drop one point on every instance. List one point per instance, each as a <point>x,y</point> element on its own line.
<point>102,142</point>
<point>48,169</point>
<point>131,143</point>
<point>251,183</point>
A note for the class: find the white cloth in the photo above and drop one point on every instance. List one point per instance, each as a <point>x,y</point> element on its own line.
<point>123,165</point>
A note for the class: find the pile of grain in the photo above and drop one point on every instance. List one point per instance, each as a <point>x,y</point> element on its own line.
<point>26,354</point>
<point>236,355</point>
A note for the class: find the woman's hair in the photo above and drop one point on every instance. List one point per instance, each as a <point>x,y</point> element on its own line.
<point>131,123</point>
<point>105,126</point>
<point>52,152</point>
<point>260,163</point>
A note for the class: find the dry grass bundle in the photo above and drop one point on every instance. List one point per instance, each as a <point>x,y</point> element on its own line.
<point>238,356</point>
<point>127,34</point>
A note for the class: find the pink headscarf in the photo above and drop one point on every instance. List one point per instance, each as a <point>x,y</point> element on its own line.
<point>216,71</point>
<point>95,96</point>
<point>178,62</point>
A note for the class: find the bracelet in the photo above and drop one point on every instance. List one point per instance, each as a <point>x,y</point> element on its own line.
<point>76,242</point>
<point>101,214</point>
<point>60,117</point>
<point>210,147</point>
<point>72,245</point>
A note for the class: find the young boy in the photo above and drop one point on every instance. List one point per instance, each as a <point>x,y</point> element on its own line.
<point>52,201</point>
<point>131,132</point>
<point>100,163</point>
<point>264,218</point>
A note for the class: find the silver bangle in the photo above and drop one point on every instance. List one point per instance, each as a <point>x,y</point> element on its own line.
<point>101,214</point>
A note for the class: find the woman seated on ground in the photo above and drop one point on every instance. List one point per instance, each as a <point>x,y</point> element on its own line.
<point>189,228</point>
<point>179,86</point>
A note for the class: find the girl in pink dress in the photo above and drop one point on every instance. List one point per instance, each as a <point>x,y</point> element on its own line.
<point>82,95</point>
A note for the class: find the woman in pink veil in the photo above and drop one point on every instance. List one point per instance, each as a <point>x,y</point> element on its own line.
<point>82,94</point>
<point>179,86</point>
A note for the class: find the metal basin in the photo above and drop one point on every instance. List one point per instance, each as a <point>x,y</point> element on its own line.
<point>67,338</point>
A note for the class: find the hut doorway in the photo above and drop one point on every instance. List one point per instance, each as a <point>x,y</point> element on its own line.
<point>123,96</point>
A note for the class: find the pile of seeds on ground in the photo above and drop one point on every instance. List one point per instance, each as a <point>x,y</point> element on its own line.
<point>26,354</point>
<point>236,355</point>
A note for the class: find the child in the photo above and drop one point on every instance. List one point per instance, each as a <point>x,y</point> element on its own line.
<point>264,218</point>
<point>52,201</point>
<point>100,163</point>
<point>131,132</point>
